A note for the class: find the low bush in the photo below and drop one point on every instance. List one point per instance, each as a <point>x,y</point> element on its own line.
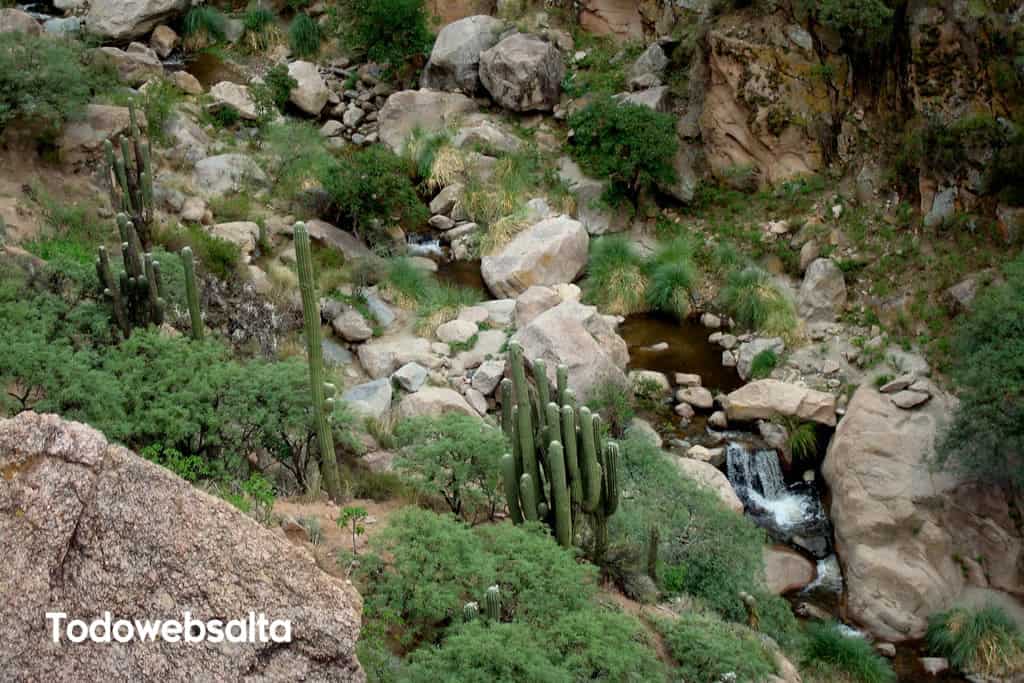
<point>436,303</point>
<point>986,641</point>
<point>457,457</point>
<point>273,93</point>
<point>756,303</point>
<point>834,655</point>
<point>671,276</point>
<point>986,437</point>
<point>370,189</point>
<point>45,82</point>
<point>614,402</point>
<point>615,280</point>
<point>304,36</point>
<point>159,101</point>
<point>633,146</point>
<point>708,648</point>
<point>203,26</point>
<point>387,31</point>
<point>763,364</point>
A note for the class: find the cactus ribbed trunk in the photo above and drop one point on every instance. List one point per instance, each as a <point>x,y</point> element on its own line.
<point>311,317</point>
<point>192,293</point>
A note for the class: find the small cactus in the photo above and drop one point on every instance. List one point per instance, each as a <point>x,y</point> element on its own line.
<point>470,611</point>
<point>192,293</point>
<point>492,603</point>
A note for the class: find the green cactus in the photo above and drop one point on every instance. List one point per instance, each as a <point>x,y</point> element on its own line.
<point>492,603</point>
<point>322,392</point>
<point>470,611</point>
<point>192,293</point>
<point>561,466</point>
<point>137,294</point>
<point>131,178</point>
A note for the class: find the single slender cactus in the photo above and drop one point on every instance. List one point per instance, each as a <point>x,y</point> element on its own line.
<point>560,495</point>
<point>653,541</point>
<point>131,178</point>
<point>492,603</point>
<point>192,293</point>
<point>311,317</point>
<point>510,479</point>
<point>531,510</point>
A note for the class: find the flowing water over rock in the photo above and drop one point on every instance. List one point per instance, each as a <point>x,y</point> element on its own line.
<point>791,513</point>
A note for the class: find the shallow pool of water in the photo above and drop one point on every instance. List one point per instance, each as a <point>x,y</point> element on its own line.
<point>688,350</point>
<point>209,69</point>
<point>462,274</point>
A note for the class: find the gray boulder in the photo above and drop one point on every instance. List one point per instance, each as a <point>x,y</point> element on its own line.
<point>124,19</point>
<point>427,110</point>
<point>89,527</point>
<point>823,292</point>
<point>434,402</point>
<point>523,73</point>
<point>234,96</point>
<point>455,60</point>
<point>225,173</point>
<point>551,252</point>
<point>311,93</point>
<point>134,66</point>
<point>649,68</point>
<point>372,399</point>
<point>16,21</point>
<point>749,350</point>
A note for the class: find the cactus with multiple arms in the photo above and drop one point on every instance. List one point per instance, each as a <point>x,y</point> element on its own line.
<point>561,466</point>
<point>131,178</point>
<point>137,294</point>
<point>323,392</point>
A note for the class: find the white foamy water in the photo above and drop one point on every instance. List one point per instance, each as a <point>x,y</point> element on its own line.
<point>828,576</point>
<point>788,510</point>
<point>426,248</point>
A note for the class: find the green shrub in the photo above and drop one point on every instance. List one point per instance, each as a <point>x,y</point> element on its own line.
<point>387,31</point>
<point>73,231</point>
<point>986,641</point>
<point>304,36</point>
<point>756,303</point>
<point>158,104</point>
<point>671,276</point>
<point>219,256</point>
<point>273,93</point>
<point>763,364</point>
<point>830,653</point>
<point>707,648</point>
<point>435,303</point>
<point>455,456</point>
<point>868,23</point>
<point>615,280</point>
<point>986,437</point>
<point>801,440</point>
<point>371,188</point>
<point>203,26</point>
<point>634,147</point>
<point>261,31</point>
<point>614,401</point>
<point>299,156</point>
<point>45,82</point>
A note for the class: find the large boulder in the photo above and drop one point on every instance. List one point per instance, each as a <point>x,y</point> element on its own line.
<point>382,356</point>
<point>580,338</point>
<point>428,110</point>
<point>82,139</point>
<point>372,399</point>
<point>90,528</point>
<point>910,538</point>
<point>16,21</point>
<point>455,60</point>
<point>523,73</point>
<point>134,66</point>
<point>786,570</point>
<point>711,478</point>
<point>596,215</point>
<point>124,19</point>
<point>823,292</point>
<point>434,402</point>
<point>553,251</point>
<point>310,93</point>
<point>618,18</point>
<point>225,173</point>
<point>766,399</point>
<point>234,96</point>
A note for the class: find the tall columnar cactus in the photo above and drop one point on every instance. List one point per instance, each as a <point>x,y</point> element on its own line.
<point>560,466</point>
<point>131,178</point>
<point>137,294</point>
<point>192,293</point>
<point>323,392</point>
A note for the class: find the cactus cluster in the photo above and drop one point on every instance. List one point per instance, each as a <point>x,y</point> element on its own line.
<point>137,294</point>
<point>131,178</point>
<point>492,606</point>
<point>323,392</point>
<point>561,467</point>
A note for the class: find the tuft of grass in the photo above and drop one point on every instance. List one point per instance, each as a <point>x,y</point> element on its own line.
<point>671,277</point>
<point>235,207</point>
<point>763,364</point>
<point>833,655</point>
<point>203,26</point>
<point>435,303</point>
<point>757,303</point>
<point>615,280</point>
<point>986,641</point>
<point>261,31</point>
<point>801,439</point>
<point>304,36</point>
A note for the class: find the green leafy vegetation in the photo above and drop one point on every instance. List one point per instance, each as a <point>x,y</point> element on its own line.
<point>603,70</point>
<point>622,282</point>
<point>159,101</point>
<point>455,456</point>
<point>45,82</point>
<point>707,648</point>
<point>634,147</point>
<point>986,437</point>
<point>671,276</point>
<point>986,641</point>
<point>386,31</point>
<point>273,93</point>
<point>203,26</point>
<point>763,364</point>
<point>833,655</point>
<point>261,30</point>
<point>436,303</point>
<point>867,23</point>
<point>756,303</point>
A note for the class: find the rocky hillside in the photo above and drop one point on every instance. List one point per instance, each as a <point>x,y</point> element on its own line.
<point>353,250</point>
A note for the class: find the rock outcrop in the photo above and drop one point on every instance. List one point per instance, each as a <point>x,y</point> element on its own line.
<point>455,59</point>
<point>523,73</point>
<point>90,527</point>
<point>823,292</point>
<point>908,538</point>
<point>581,338</point>
<point>123,19</point>
<point>553,251</point>
<point>765,399</point>
<point>426,109</point>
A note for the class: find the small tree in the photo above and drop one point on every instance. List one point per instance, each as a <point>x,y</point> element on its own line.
<point>456,456</point>
<point>351,518</point>
<point>631,145</point>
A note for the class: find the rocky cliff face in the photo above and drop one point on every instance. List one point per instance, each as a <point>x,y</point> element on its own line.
<point>89,527</point>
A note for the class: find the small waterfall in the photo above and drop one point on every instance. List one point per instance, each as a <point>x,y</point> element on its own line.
<point>424,245</point>
<point>790,513</point>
